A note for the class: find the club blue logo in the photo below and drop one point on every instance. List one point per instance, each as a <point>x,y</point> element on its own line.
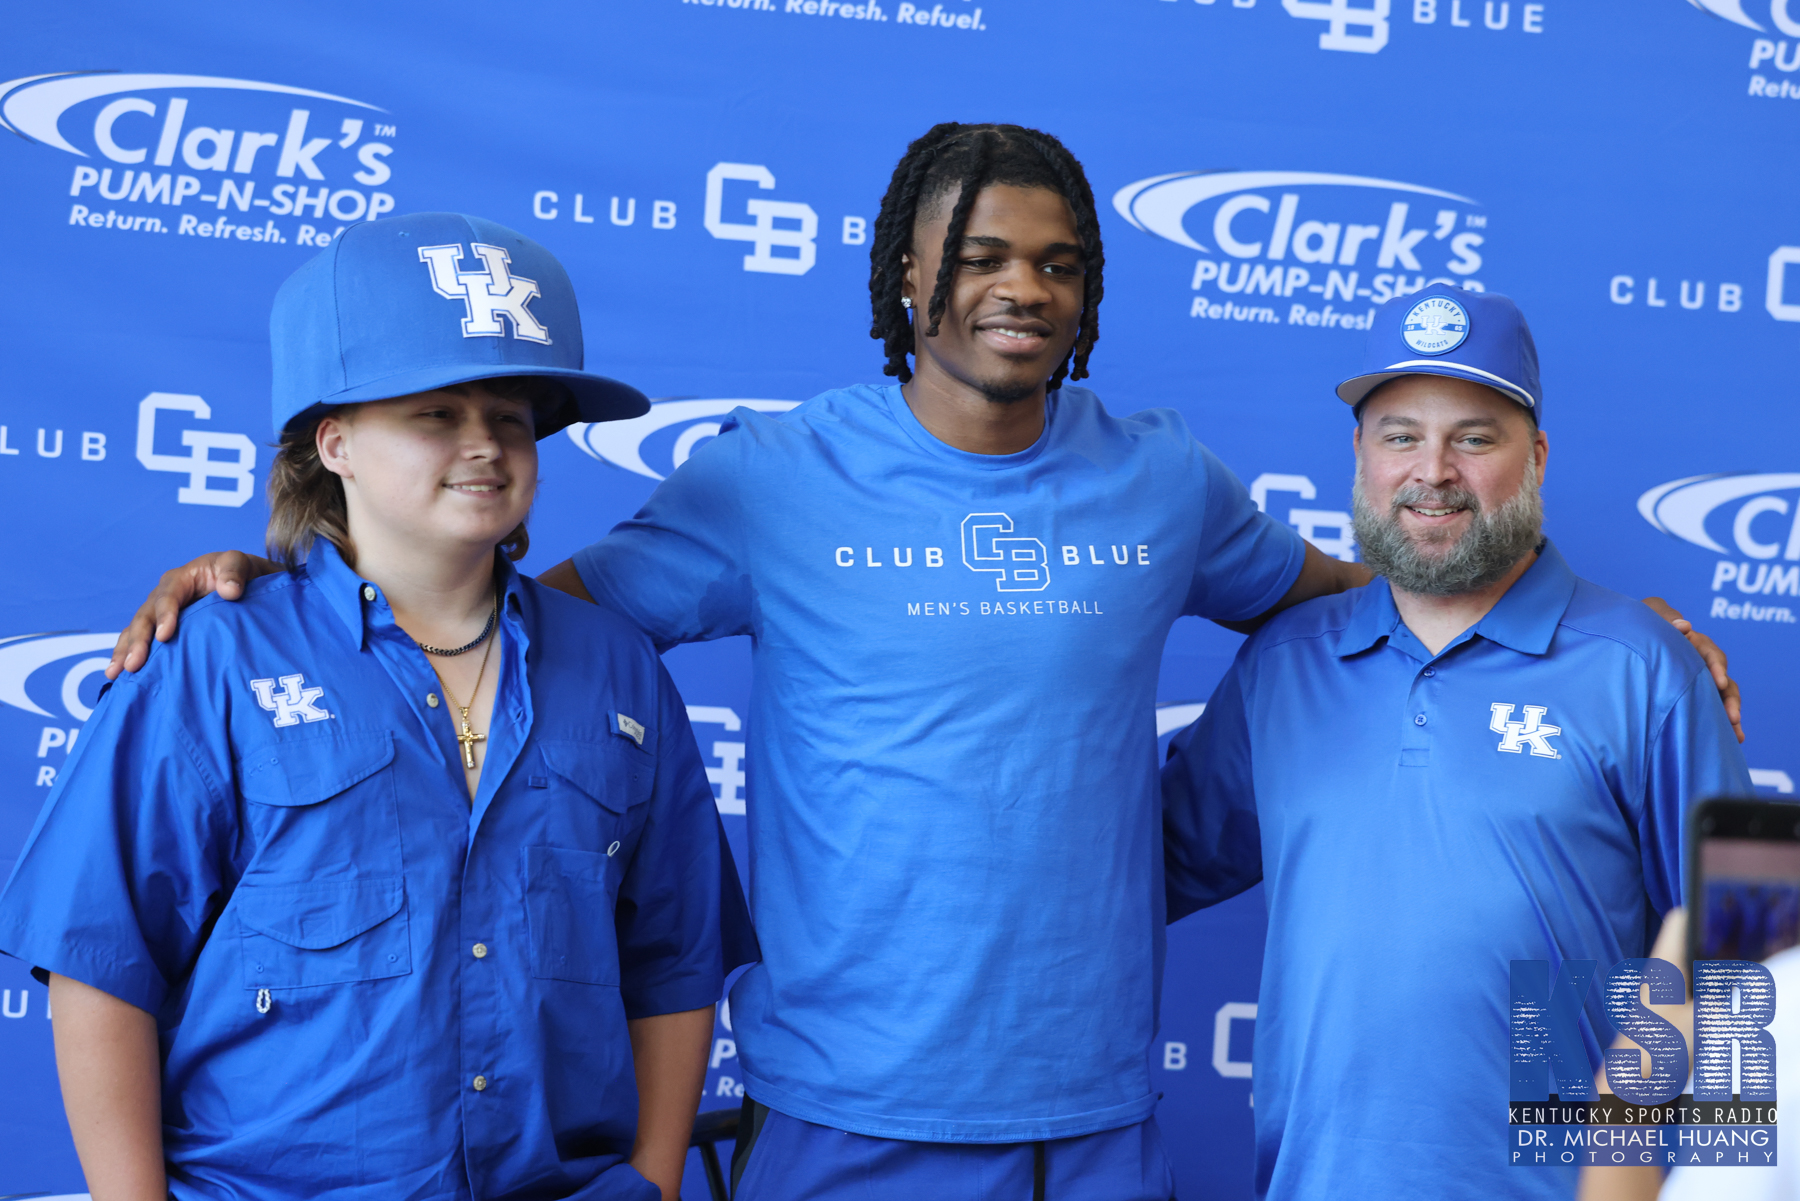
<point>1436,325</point>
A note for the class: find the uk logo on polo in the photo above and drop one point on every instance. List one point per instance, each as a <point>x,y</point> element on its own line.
<point>293,704</point>
<point>1532,732</point>
<point>486,295</point>
<point>1436,325</point>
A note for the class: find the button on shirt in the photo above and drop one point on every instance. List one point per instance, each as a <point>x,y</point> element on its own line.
<point>1423,821</point>
<point>953,803</point>
<point>265,840</point>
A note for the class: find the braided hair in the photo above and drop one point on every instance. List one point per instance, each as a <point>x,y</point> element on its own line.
<point>967,158</point>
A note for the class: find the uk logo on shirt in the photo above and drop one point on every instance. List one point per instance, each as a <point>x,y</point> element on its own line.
<point>293,704</point>
<point>1517,735</point>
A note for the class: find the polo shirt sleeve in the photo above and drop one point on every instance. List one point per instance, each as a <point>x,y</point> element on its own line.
<point>130,861</point>
<point>1212,842</point>
<point>1693,756</point>
<point>1246,560</point>
<point>677,568</point>
<point>681,919</point>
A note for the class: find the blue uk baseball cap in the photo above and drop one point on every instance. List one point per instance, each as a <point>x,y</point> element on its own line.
<point>1478,336</point>
<point>413,303</point>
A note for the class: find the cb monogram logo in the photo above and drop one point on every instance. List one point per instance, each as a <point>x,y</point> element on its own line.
<point>1017,564</point>
<point>487,295</point>
<point>1518,734</point>
<point>293,704</point>
<point>763,234</point>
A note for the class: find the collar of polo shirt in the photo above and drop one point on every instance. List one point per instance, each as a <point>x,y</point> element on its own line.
<point>1525,618</point>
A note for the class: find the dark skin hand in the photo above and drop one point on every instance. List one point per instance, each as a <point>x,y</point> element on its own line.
<point>978,384</point>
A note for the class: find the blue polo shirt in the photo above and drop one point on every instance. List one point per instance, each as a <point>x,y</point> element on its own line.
<point>952,797</point>
<point>367,986</point>
<point>1421,821</point>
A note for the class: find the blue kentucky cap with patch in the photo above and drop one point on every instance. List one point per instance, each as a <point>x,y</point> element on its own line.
<point>413,303</point>
<point>1478,336</point>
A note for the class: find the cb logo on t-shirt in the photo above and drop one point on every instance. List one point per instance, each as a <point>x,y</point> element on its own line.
<point>1018,564</point>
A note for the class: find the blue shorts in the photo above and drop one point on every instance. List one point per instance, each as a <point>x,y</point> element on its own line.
<point>785,1159</point>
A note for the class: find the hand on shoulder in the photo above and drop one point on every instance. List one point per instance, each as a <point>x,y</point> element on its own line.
<point>223,572</point>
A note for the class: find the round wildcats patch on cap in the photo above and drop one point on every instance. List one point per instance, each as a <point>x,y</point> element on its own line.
<point>1436,325</point>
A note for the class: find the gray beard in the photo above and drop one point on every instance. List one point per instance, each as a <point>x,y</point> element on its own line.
<point>1487,550</point>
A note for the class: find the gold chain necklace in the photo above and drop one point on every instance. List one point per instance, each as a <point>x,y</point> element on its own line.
<point>467,737</point>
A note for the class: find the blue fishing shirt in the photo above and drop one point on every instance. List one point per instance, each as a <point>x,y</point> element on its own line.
<point>366,986</point>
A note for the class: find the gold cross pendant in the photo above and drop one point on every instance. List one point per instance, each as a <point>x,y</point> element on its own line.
<point>468,738</point>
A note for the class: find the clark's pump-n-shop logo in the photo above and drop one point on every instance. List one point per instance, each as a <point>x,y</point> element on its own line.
<point>1307,248</point>
<point>662,439</point>
<point>1752,519</point>
<point>56,679</point>
<point>1775,53</point>
<point>208,157</point>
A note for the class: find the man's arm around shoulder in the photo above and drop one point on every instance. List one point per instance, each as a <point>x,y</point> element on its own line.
<point>1212,841</point>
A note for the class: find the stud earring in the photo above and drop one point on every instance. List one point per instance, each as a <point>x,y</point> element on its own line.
<point>906,302</point>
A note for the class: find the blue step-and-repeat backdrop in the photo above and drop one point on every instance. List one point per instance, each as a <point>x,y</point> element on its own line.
<point>710,170</point>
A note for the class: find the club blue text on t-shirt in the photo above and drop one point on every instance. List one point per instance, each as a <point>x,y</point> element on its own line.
<point>952,797</point>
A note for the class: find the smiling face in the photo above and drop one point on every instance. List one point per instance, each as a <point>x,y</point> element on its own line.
<point>1447,484</point>
<point>450,470</point>
<point>1014,307</point>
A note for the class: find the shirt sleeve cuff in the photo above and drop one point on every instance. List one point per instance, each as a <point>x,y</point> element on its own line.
<point>589,572</point>
<point>676,995</point>
<point>134,984</point>
<point>1291,572</point>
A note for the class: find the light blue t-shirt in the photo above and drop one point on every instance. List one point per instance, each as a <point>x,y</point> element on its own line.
<point>1421,821</point>
<point>952,794</point>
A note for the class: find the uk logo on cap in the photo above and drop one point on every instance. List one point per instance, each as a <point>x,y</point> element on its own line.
<point>431,300</point>
<point>1436,325</point>
<point>486,295</point>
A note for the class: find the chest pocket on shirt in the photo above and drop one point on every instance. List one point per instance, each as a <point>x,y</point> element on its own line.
<point>612,770</point>
<point>323,900</point>
<point>570,891</point>
<point>330,932</point>
<point>321,808</point>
